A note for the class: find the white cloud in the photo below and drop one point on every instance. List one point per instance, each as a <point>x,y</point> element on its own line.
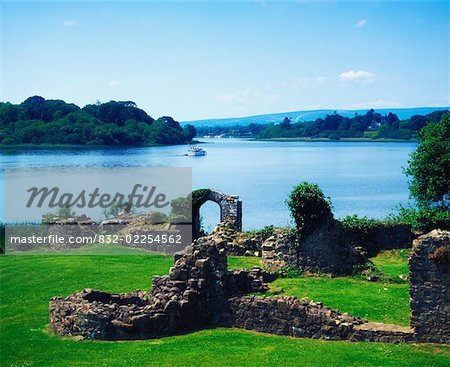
<point>114,82</point>
<point>357,76</point>
<point>70,23</point>
<point>379,103</point>
<point>361,23</point>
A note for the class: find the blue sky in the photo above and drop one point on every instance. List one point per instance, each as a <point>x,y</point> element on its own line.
<point>194,60</point>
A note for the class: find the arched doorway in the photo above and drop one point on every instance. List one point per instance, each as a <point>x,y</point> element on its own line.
<point>210,214</point>
<point>230,208</point>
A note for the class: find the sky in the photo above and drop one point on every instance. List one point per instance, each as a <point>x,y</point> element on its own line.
<point>199,60</point>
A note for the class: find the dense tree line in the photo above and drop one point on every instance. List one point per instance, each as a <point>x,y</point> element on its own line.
<point>250,130</point>
<point>115,123</point>
<point>333,126</point>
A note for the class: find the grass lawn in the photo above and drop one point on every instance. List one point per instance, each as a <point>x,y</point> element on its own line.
<point>386,302</point>
<point>28,282</point>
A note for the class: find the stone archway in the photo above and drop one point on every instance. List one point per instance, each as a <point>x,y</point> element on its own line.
<point>230,210</point>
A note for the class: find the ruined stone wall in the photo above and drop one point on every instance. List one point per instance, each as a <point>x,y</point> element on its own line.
<point>430,287</point>
<point>230,210</point>
<point>322,251</point>
<point>379,237</point>
<point>290,316</point>
<point>200,292</point>
<point>332,249</point>
<point>193,295</point>
<point>303,318</point>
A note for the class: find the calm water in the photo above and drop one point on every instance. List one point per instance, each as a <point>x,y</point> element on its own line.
<point>361,178</point>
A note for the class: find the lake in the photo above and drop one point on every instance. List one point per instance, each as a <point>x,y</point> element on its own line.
<point>361,178</point>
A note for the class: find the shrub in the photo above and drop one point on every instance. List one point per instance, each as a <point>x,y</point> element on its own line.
<point>63,212</point>
<point>424,219</point>
<point>117,208</point>
<point>198,197</point>
<point>157,217</point>
<point>288,272</point>
<point>309,208</point>
<point>365,226</point>
<point>263,233</point>
<point>429,166</point>
<point>183,207</point>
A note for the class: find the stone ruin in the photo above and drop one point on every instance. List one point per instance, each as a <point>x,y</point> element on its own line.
<point>330,248</point>
<point>124,224</point>
<point>430,287</point>
<point>200,292</point>
<point>230,210</point>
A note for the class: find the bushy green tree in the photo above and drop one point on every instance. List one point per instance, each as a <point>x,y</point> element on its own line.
<point>190,132</point>
<point>309,208</point>
<point>429,166</point>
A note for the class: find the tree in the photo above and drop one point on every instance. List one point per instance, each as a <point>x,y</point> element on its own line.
<point>169,121</point>
<point>417,122</point>
<point>286,124</point>
<point>118,112</point>
<point>309,208</point>
<point>429,165</point>
<point>189,132</point>
<point>391,118</point>
<point>41,121</point>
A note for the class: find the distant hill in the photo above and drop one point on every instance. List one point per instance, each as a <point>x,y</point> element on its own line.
<point>402,113</point>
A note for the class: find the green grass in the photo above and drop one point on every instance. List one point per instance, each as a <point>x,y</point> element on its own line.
<point>386,302</point>
<point>28,282</point>
<point>241,262</point>
<point>379,302</point>
<point>393,263</point>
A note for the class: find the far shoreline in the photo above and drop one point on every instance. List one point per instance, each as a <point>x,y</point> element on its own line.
<point>282,140</point>
<point>342,140</point>
<point>85,147</point>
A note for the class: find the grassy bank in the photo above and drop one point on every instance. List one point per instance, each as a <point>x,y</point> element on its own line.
<point>28,282</point>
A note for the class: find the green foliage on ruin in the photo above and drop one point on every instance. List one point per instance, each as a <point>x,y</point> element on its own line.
<point>424,219</point>
<point>365,226</point>
<point>263,233</point>
<point>309,208</point>
<point>199,197</point>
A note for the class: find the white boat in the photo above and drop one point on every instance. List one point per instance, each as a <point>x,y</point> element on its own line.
<point>196,152</point>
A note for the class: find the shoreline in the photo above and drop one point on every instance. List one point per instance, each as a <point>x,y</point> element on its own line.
<point>84,147</point>
<point>342,140</point>
<point>95,147</point>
